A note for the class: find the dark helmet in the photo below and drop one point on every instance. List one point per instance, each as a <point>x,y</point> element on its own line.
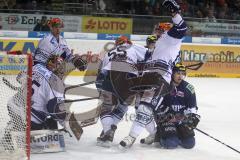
<point>151,39</point>
<point>179,67</point>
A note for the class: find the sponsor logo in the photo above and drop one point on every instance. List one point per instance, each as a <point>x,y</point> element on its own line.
<point>90,57</point>
<point>47,138</point>
<point>12,19</point>
<point>105,25</point>
<point>29,20</point>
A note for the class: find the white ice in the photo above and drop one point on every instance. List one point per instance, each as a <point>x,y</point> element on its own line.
<point>219,105</point>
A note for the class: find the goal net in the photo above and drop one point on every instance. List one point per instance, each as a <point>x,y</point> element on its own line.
<point>15,111</point>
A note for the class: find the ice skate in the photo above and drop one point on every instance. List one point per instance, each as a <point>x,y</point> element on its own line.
<point>127,142</point>
<point>105,139</point>
<point>148,140</point>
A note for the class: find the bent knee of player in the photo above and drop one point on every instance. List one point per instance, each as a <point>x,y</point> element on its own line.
<point>170,142</point>
<point>188,143</point>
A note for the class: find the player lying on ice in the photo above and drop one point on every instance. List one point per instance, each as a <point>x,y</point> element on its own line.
<point>177,116</point>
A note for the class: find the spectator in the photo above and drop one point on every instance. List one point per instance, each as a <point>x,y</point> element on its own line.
<point>210,16</point>
<point>42,25</point>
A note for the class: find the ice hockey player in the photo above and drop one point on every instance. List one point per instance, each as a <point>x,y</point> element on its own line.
<point>47,94</point>
<point>177,116</point>
<point>150,45</point>
<point>55,44</point>
<point>47,109</point>
<point>166,50</point>
<point>114,105</point>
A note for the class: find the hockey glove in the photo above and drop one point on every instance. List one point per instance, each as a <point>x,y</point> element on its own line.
<point>50,123</point>
<point>171,6</point>
<point>57,110</point>
<point>191,120</point>
<point>79,63</point>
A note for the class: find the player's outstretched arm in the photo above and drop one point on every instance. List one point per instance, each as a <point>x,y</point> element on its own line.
<point>179,28</point>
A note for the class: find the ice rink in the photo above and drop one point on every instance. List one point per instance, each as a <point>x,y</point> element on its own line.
<point>219,106</point>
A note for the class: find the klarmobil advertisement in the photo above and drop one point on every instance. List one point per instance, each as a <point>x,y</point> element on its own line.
<point>220,60</point>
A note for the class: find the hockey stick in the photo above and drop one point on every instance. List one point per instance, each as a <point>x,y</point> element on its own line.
<point>79,100</point>
<point>78,85</point>
<point>217,140</point>
<point>5,81</point>
<point>195,66</point>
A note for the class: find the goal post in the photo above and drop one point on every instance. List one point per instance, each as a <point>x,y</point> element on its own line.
<point>15,106</point>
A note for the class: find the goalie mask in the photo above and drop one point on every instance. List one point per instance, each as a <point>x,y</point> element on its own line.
<point>57,65</point>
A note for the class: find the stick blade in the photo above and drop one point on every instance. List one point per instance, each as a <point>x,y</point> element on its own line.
<point>75,127</point>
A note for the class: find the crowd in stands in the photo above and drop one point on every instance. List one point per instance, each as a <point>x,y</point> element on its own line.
<point>210,10</point>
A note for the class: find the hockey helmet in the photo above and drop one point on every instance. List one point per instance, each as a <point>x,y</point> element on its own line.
<point>55,22</point>
<point>151,39</point>
<point>164,26</point>
<point>179,67</point>
<point>56,64</point>
<point>122,40</point>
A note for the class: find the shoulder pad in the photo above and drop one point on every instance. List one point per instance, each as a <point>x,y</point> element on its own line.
<point>43,71</point>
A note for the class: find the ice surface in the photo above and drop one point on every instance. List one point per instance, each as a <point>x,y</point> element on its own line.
<point>219,105</point>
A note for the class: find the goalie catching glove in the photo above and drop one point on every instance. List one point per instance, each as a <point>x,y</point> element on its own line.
<point>171,6</point>
<point>79,63</point>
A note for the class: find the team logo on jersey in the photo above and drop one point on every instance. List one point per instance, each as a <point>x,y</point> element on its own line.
<point>190,88</point>
<point>154,101</point>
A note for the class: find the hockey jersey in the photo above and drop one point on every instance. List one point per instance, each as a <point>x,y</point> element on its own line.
<point>50,46</point>
<point>124,59</point>
<point>45,87</point>
<point>167,48</point>
<point>181,100</point>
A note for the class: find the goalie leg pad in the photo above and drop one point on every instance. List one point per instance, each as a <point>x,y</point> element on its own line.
<point>46,141</point>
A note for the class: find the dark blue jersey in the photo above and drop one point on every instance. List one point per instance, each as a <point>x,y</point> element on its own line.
<point>178,30</point>
<point>181,100</point>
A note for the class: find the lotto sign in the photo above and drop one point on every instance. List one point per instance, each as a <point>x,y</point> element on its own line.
<point>221,60</point>
<point>107,25</point>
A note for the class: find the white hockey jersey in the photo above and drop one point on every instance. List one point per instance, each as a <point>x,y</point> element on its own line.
<point>167,48</point>
<point>45,86</point>
<point>50,46</point>
<point>124,59</point>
